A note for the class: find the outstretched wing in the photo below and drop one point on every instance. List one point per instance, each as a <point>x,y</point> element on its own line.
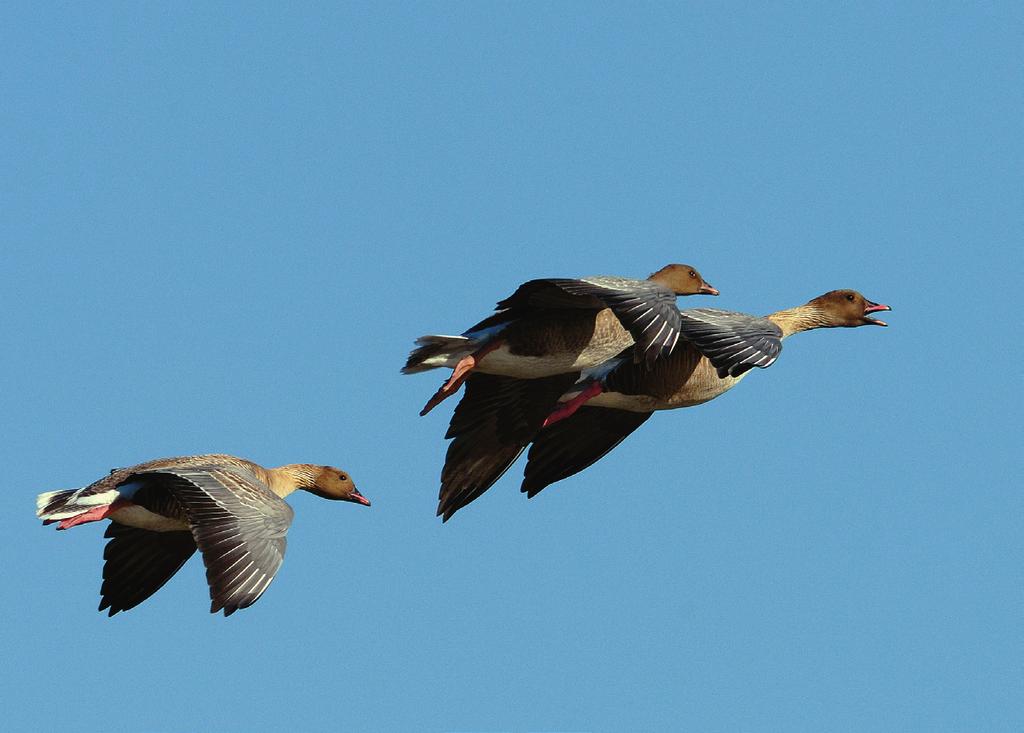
<point>570,445</point>
<point>239,526</point>
<point>137,562</point>
<point>646,309</point>
<point>733,342</point>
<point>493,422</point>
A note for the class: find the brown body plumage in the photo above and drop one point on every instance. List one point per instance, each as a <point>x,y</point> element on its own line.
<point>554,326</point>
<point>161,511</point>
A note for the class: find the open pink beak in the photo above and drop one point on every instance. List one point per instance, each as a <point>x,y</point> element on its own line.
<point>708,289</point>
<point>875,308</point>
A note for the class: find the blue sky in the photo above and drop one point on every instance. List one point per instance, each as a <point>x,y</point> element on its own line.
<point>223,228</point>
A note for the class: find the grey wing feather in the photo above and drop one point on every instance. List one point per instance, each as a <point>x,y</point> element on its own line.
<point>239,526</point>
<point>646,309</point>
<point>547,293</point>
<point>533,296</point>
<point>733,342</point>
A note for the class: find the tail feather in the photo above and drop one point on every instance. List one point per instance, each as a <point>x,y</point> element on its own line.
<point>436,351</point>
<point>50,502</point>
<point>53,506</point>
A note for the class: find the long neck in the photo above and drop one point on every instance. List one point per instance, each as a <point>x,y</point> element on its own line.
<point>286,479</point>
<point>802,318</point>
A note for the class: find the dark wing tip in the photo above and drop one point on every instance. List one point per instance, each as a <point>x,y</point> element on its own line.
<point>444,511</point>
<point>533,483</point>
<point>106,604</point>
<point>226,608</point>
<point>531,488</point>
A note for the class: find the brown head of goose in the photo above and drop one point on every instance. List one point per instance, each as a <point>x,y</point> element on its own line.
<point>558,325</point>
<point>682,280</point>
<point>230,509</point>
<point>499,417</point>
<point>834,309</point>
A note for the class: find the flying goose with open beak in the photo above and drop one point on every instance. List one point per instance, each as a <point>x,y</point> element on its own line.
<point>161,511</point>
<point>723,347</point>
<point>553,326</point>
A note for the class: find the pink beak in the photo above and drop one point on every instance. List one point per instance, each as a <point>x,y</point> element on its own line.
<point>358,498</point>
<point>874,308</point>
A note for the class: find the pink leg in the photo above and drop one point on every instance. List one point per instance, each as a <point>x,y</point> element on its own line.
<point>567,409</point>
<point>459,375</point>
<point>93,515</point>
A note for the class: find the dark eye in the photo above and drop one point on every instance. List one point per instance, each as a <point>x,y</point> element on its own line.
<point>693,274</point>
<point>849,297</point>
<point>343,477</point>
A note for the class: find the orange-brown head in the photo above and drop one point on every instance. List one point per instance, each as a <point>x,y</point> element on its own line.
<point>333,483</point>
<point>847,308</point>
<point>682,280</point>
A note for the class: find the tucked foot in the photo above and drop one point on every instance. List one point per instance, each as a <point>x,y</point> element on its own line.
<point>459,375</point>
<point>93,515</point>
<point>567,409</point>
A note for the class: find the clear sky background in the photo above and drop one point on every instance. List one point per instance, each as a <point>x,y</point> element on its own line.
<point>222,228</point>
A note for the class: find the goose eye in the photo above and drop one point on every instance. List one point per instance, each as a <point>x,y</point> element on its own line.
<point>693,274</point>
<point>849,297</point>
<point>343,477</point>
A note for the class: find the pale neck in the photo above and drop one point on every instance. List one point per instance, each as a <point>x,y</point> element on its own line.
<point>285,480</point>
<point>802,318</point>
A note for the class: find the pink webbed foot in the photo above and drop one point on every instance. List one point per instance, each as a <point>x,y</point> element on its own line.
<point>567,409</point>
<point>93,515</point>
<point>459,375</point>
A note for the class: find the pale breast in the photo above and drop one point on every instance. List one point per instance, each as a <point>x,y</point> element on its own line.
<point>630,402</point>
<point>700,383</point>
<point>703,385</point>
